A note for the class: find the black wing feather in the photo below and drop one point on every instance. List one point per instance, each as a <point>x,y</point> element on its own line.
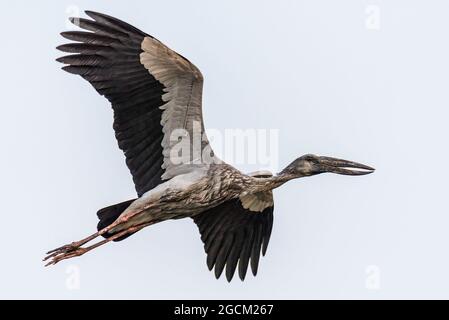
<point>233,235</point>
<point>109,58</point>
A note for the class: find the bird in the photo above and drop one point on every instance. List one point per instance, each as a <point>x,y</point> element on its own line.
<point>156,98</point>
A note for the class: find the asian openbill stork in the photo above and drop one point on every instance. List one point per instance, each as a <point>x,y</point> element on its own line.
<point>155,91</point>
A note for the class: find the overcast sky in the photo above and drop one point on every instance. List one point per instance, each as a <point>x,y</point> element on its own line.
<point>361,80</point>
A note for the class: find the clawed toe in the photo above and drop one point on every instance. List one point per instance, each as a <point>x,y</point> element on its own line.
<point>63,253</point>
<point>59,256</point>
<point>70,247</point>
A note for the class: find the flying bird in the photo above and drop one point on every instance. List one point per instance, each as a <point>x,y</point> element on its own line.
<point>154,93</point>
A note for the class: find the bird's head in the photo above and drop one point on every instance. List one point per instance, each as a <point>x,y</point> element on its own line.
<point>310,165</point>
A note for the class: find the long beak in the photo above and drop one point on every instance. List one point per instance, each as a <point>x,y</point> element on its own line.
<point>344,167</point>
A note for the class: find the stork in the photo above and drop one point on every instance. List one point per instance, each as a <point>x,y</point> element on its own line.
<point>154,92</point>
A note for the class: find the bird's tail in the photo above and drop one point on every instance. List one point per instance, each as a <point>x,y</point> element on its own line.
<point>109,215</point>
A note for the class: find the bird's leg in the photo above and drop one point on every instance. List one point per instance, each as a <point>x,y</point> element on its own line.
<point>76,245</point>
<point>68,252</point>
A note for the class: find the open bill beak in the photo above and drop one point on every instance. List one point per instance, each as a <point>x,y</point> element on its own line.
<point>344,167</point>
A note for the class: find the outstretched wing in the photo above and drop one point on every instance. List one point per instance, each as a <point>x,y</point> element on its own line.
<point>155,95</point>
<point>234,235</point>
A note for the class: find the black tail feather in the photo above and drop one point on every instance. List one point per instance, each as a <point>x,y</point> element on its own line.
<point>108,216</point>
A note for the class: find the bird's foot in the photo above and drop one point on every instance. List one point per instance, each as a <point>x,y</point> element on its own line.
<point>63,253</point>
<point>68,247</point>
<point>76,249</point>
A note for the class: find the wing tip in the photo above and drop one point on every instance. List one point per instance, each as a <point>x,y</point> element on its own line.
<point>72,70</point>
<point>255,271</point>
<point>60,59</point>
<point>210,266</point>
<point>92,13</point>
<point>217,273</point>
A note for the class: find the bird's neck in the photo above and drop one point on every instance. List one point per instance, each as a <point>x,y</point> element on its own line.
<point>270,183</point>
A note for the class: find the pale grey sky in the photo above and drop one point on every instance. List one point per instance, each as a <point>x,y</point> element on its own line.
<point>329,75</point>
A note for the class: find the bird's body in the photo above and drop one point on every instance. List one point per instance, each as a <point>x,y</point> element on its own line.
<point>156,96</point>
<point>190,194</point>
